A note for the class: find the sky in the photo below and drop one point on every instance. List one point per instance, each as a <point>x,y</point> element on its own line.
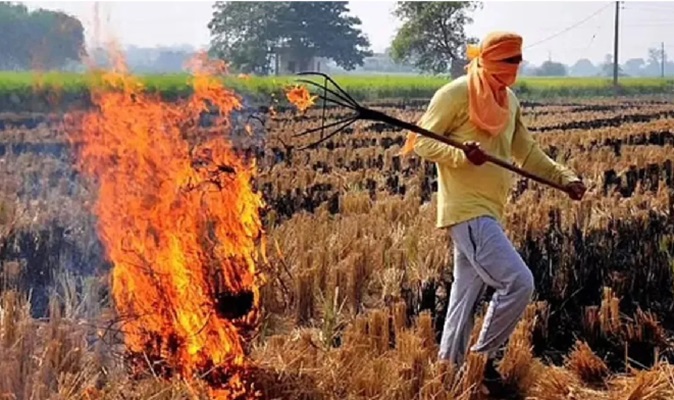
<point>562,31</point>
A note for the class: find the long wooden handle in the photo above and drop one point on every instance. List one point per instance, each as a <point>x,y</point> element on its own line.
<point>367,113</point>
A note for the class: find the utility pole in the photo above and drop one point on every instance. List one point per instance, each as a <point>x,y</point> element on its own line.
<point>662,59</point>
<point>615,45</point>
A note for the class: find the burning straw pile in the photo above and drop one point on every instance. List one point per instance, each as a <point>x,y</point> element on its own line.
<point>180,224</point>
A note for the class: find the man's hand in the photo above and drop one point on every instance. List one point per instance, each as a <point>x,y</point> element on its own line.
<point>576,190</point>
<point>474,153</point>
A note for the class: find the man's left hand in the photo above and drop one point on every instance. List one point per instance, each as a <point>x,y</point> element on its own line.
<point>474,153</point>
<point>576,190</point>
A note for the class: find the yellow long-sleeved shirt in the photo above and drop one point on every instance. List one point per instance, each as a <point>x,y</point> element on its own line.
<point>466,191</point>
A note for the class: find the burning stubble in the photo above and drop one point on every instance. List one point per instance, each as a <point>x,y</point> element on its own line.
<point>182,234</point>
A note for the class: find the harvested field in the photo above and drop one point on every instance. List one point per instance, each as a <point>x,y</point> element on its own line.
<point>357,276</point>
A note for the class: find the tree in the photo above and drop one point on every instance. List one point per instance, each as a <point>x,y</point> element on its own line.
<point>247,34</point>
<point>606,67</point>
<point>432,35</point>
<point>169,60</point>
<point>39,39</point>
<point>654,65</point>
<point>583,68</point>
<point>655,56</point>
<point>634,66</point>
<point>551,68</point>
<point>526,69</point>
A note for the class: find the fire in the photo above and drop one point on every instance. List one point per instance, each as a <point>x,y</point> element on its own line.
<point>180,223</point>
<point>300,97</point>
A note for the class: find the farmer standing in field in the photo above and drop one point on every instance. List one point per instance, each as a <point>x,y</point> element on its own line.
<point>480,110</point>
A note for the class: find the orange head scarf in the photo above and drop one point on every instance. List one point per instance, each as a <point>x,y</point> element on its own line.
<point>489,75</point>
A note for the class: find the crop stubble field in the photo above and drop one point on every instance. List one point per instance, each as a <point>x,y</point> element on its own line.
<point>358,276</point>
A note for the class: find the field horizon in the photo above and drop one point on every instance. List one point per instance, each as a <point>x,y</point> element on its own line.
<point>42,91</point>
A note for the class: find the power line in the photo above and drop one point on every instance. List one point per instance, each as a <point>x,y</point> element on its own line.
<point>648,25</point>
<point>591,41</point>
<point>648,7</point>
<point>569,27</point>
<point>649,11</point>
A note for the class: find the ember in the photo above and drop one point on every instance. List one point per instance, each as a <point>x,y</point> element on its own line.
<point>300,97</point>
<point>180,224</point>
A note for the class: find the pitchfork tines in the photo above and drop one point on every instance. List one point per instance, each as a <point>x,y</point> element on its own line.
<point>339,97</point>
<point>335,96</point>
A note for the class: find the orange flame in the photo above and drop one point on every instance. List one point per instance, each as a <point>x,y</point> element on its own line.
<point>180,223</point>
<point>300,97</point>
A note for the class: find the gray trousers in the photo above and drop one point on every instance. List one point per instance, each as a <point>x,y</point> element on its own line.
<point>484,256</point>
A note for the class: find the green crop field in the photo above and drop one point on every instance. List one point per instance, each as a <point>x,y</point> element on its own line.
<point>21,91</point>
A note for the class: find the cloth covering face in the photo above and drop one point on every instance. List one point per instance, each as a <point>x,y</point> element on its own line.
<point>489,77</point>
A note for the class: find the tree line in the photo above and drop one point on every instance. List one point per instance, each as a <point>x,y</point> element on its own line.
<point>287,37</point>
<point>654,65</point>
<point>39,39</point>
<point>261,37</point>
<point>431,39</point>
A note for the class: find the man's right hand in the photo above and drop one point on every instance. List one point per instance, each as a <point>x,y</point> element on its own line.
<point>474,153</point>
<point>576,190</point>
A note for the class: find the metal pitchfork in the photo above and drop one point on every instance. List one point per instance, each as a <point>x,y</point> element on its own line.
<point>341,98</point>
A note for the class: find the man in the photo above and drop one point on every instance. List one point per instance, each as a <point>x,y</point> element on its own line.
<point>480,110</point>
